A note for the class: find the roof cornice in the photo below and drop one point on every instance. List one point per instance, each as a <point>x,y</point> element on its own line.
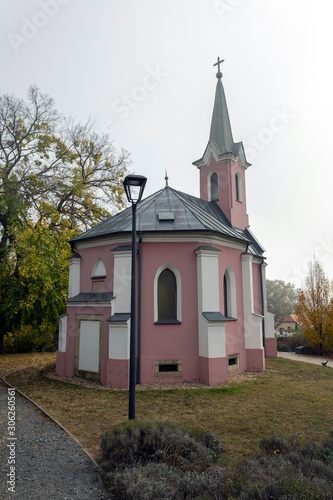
<point>211,151</point>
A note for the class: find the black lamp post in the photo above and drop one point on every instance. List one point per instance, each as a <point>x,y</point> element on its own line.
<point>134,186</point>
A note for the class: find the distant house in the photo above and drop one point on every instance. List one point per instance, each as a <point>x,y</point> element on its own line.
<point>289,324</point>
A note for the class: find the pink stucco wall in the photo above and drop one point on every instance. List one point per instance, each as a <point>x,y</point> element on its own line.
<point>173,341</point>
<point>213,371</point>
<point>226,170</point>
<point>167,341</point>
<point>89,258</point>
<point>271,347</point>
<point>117,373</point>
<point>255,360</point>
<point>61,364</point>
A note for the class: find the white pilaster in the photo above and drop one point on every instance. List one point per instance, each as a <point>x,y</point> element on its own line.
<point>119,340</point>
<point>252,321</point>
<point>269,325</point>
<point>211,333</point>
<point>62,333</point>
<point>211,338</point>
<point>74,275</point>
<point>208,279</point>
<point>269,317</point>
<point>247,283</point>
<point>122,280</point>
<point>264,288</point>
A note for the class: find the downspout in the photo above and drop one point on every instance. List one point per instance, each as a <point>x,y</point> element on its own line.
<point>138,373</point>
<point>262,305</point>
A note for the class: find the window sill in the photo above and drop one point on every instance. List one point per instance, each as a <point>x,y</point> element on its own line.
<point>217,317</point>
<point>167,322</point>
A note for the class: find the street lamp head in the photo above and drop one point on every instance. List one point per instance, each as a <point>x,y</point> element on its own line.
<point>134,186</point>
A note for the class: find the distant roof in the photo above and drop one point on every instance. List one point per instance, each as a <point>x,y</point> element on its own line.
<point>189,213</point>
<point>291,318</point>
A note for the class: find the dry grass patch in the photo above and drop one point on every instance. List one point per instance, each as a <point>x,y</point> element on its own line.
<point>31,362</point>
<point>288,398</point>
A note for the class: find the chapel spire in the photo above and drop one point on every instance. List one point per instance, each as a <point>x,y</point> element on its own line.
<point>223,164</point>
<point>221,140</point>
<point>220,130</point>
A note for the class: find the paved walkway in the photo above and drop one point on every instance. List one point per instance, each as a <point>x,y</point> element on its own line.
<point>316,360</point>
<point>40,459</point>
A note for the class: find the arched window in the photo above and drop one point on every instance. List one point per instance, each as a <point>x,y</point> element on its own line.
<point>213,187</point>
<point>167,295</point>
<point>225,296</point>
<point>238,184</point>
<point>99,270</point>
<point>229,293</point>
<point>98,276</point>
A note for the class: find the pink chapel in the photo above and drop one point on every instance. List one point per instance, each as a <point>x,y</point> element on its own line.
<point>202,309</point>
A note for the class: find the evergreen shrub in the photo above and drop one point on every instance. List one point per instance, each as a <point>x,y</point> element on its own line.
<point>136,443</point>
<point>157,460</point>
<point>29,339</point>
<point>160,481</point>
<point>327,449</point>
<point>282,347</point>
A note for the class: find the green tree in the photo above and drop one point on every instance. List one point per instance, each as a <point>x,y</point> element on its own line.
<point>281,298</point>
<point>315,307</point>
<point>57,178</point>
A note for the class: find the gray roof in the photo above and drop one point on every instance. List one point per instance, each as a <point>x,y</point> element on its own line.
<point>220,131</point>
<point>119,318</point>
<point>92,297</point>
<point>190,214</point>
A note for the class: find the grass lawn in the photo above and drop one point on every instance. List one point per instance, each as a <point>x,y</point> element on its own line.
<point>289,398</point>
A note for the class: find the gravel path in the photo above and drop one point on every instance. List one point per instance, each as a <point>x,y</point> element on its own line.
<point>316,360</point>
<point>49,464</point>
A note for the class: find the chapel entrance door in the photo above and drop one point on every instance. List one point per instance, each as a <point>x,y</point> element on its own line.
<point>88,346</point>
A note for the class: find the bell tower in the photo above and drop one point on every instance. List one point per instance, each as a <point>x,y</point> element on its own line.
<point>223,165</point>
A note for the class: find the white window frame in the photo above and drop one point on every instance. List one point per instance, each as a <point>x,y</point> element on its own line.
<point>175,271</point>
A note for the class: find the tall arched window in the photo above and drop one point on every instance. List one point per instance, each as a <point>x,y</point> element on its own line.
<point>238,184</point>
<point>167,296</point>
<point>229,293</point>
<point>225,296</point>
<point>213,187</point>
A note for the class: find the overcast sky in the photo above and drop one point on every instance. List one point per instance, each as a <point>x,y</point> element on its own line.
<point>144,70</point>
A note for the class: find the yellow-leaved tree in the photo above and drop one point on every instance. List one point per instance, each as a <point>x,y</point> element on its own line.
<point>57,178</point>
<point>315,307</point>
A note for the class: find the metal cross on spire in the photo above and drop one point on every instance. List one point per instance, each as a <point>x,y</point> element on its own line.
<point>219,62</point>
<point>166,178</point>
